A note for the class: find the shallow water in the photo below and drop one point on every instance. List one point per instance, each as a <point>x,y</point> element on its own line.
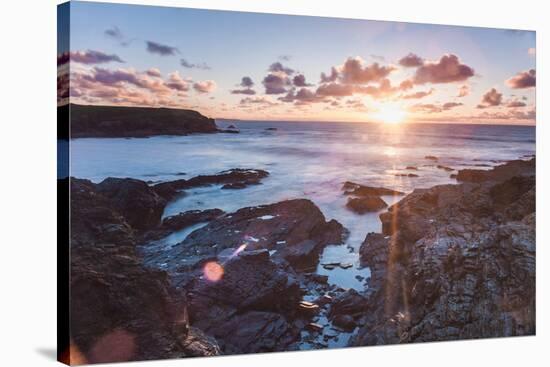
<point>310,160</point>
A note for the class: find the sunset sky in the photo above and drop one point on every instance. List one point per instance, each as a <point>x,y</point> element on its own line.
<point>277,67</point>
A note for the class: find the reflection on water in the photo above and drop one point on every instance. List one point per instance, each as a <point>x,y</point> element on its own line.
<point>310,160</point>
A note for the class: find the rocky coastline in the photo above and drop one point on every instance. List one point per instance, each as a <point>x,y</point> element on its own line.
<point>453,261</point>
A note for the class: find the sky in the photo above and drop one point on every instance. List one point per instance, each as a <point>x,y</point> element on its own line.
<point>253,66</point>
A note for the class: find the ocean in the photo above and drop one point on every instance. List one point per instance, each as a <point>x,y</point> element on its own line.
<point>305,160</point>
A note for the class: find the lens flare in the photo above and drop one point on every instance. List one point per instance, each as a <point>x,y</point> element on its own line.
<point>213,271</point>
<point>240,249</point>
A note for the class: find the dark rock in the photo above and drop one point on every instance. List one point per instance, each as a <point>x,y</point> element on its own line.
<point>244,310</point>
<point>189,218</point>
<point>271,129</point>
<point>232,127</point>
<point>460,262</point>
<point>274,227</point>
<point>119,309</point>
<point>314,327</point>
<point>255,332</point>
<point>349,303</point>
<point>445,168</point>
<point>498,173</point>
<point>135,200</point>
<point>412,175</point>
<point>308,309</point>
<point>366,204</point>
<point>114,121</point>
<point>412,168</point>
<point>431,158</point>
<point>345,322</point>
<point>236,178</point>
<point>351,188</point>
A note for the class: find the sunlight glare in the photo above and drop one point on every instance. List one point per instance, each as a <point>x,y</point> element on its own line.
<point>390,113</point>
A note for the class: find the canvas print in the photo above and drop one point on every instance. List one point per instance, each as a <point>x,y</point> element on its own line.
<point>233,182</point>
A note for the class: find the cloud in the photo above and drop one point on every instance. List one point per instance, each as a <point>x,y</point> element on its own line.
<point>426,107</point>
<point>411,61</point>
<point>378,58</point>
<point>516,104</point>
<point>114,33</point>
<point>434,108</point>
<point>512,114</point>
<point>491,98</point>
<point>202,66</point>
<point>418,95</point>
<point>331,77</point>
<point>524,79</point>
<point>247,91</point>
<point>176,82</point>
<point>303,96</point>
<point>299,80</point>
<point>258,100</point>
<point>276,83</point>
<point>406,84</point>
<point>206,86</point>
<point>354,71</point>
<point>357,105</point>
<point>278,67</point>
<point>89,57</point>
<point>285,57</point>
<point>463,91</point>
<point>160,49</point>
<point>154,72</point>
<point>247,84</point>
<point>448,69</point>
<point>531,51</point>
<point>335,90</point>
<point>451,105</point>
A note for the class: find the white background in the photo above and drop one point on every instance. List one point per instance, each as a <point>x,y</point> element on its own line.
<point>28,166</point>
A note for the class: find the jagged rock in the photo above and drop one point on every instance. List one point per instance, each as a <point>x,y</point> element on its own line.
<point>189,218</point>
<point>445,168</point>
<point>349,303</point>
<point>460,262</point>
<point>351,188</point>
<point>245,309</point>
<point>119,309</point>
<point>345,322</point>
<point>498,173</point>
<point>287,224</point>
<point>135,200</point>
<point>236,178</point>
<point>366,204</point>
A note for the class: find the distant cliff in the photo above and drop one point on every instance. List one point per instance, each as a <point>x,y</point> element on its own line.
<point>111,122</point>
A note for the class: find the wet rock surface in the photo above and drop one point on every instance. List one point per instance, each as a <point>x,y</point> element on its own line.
<point>354,189</point>
<point>295,229</point>
<point>110,320</point>
<point>237,178</point>
<point>247,308</point>
<point>366,204</point>
<point>455,262</point>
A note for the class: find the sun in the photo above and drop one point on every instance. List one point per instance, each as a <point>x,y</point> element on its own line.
<point>390,113</point>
